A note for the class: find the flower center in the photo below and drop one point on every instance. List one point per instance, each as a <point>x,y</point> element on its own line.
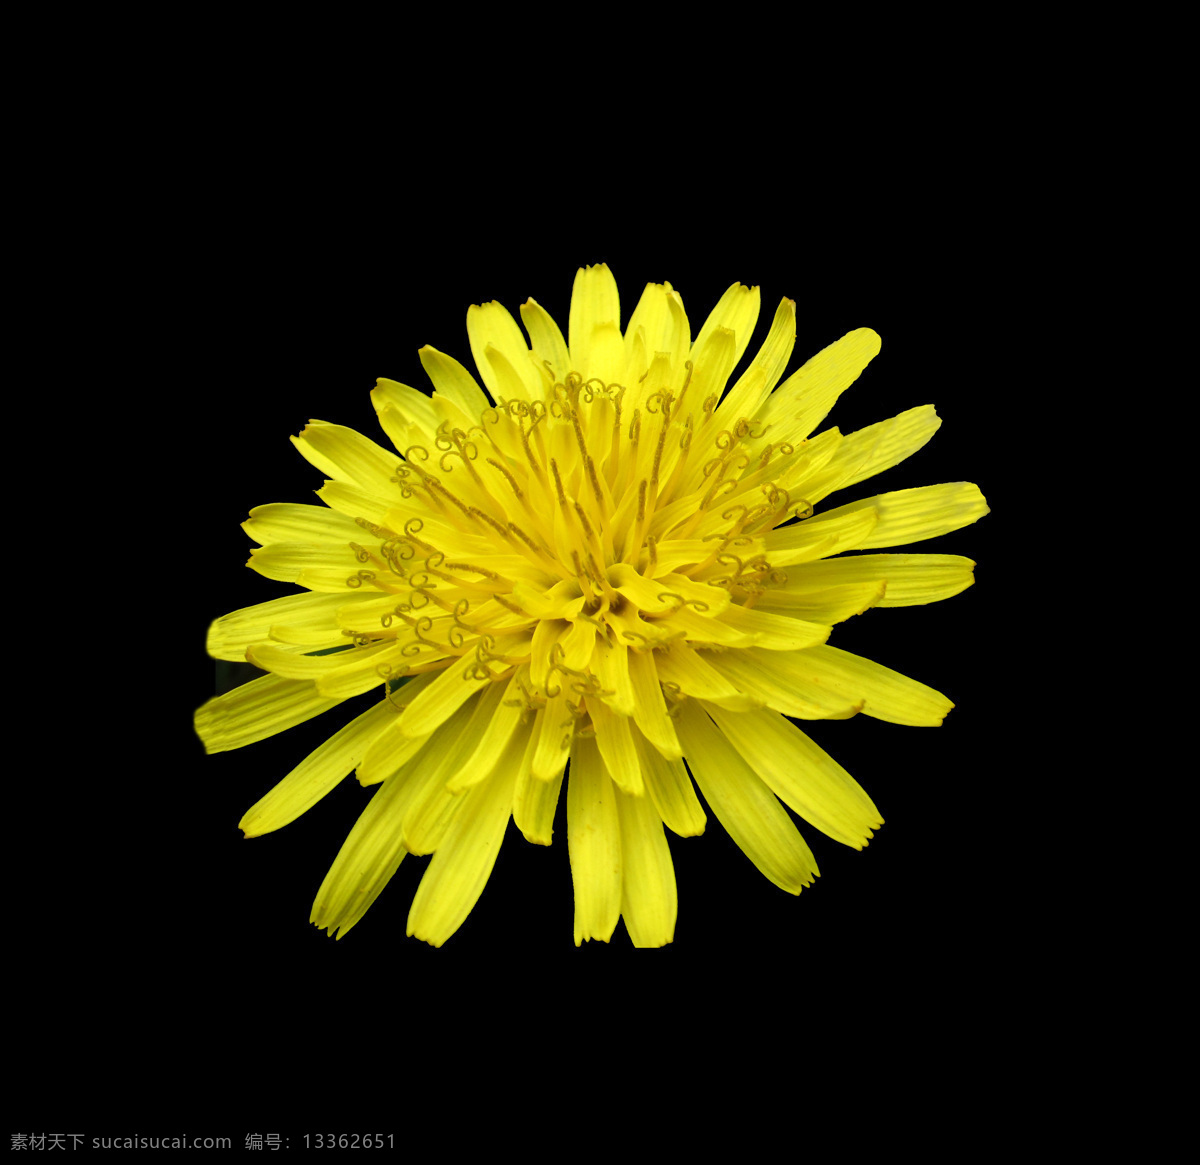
<point>553,534</point>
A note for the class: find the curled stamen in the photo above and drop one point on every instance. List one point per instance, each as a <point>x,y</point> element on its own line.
<point>512,481</point>
<point>595,480</point>
<point>557,656</point>
<point>730,560</point>
<point>392,676</point>
<point>671,596</point>
<point>488,574</point>
<point>581,514</point>
<point>466,451</point>
<point>562,400</point>
<point>662,399</point>
<point>724,439</point>
<point>359,553</point>
<point>803,509</point>
<point>477,513</point>
<point>524,538</point>
<point>357,580</point>
<point>420,449</point>
<point>558,485</point>
<point>380,532</point>
<point>508,604</point>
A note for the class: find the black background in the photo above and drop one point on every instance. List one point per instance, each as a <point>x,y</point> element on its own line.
<point>280,309</point>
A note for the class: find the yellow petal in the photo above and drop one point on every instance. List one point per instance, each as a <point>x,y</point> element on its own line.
<point>285,561</point>
<point>910,578</point>
<point>453,381</point>
<point>286,522</point>
<point>231,634</point>
<point>436,703</point>
<point>776,632</point>
<point>670,788</point>
<point>413,407</point>
<point>802,401</point>
<point>344,455</point>
<point>553,732</point>
<point>546,339</point>
<point>867,452</point>
<point>821,535</point>
<point>802,775</point>
<point>912,515</point>
<point>594,843</point>
<point>491,743</point>
<point>783,681</point>
<point>364,865</point>
<point>257,710</point>
<point>435,805</point>
<point>595,304</point>
<point>490,326</point>
<point>614,738</point>
<point>464,860</point>
<point>534,801</point>
<point>649,708</point>
<point>316,775</point>
<point>660,320</point>
<point>754,385</point>
<point>749,811</point>
<point>649,902</point>
<point>888,694</point>
<point>736,310</point>
<point>833,604</point>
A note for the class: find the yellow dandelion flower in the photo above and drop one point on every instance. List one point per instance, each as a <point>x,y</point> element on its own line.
<point>607,566</point>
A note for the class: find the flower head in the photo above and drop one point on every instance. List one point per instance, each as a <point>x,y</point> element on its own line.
<point>609,568</point>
